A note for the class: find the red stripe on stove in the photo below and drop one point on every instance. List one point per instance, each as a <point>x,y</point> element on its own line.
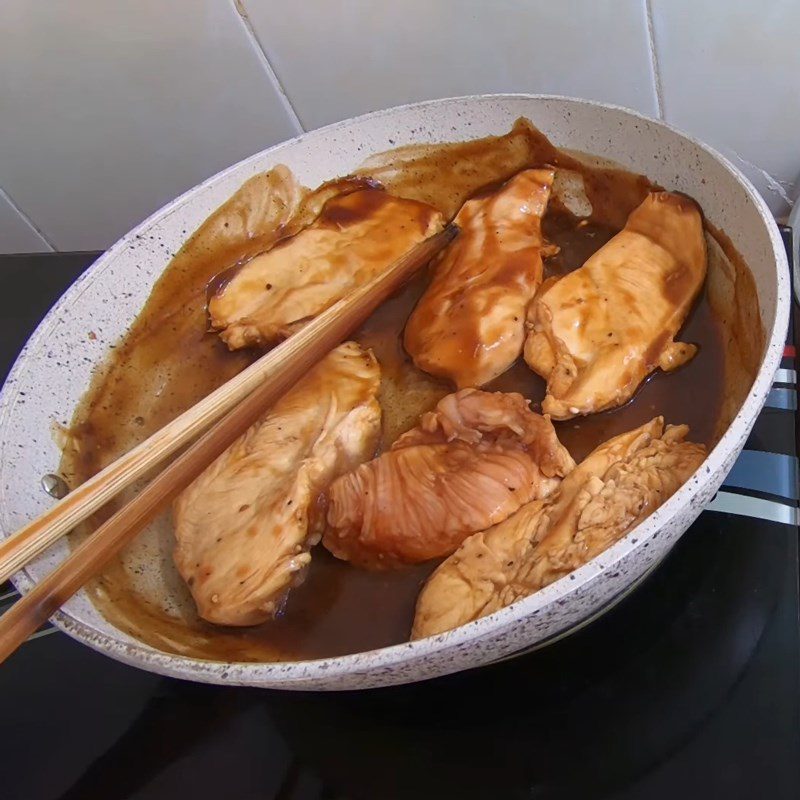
<point>789,351</point>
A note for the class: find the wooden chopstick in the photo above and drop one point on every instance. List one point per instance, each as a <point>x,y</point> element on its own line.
<point>277,371</point>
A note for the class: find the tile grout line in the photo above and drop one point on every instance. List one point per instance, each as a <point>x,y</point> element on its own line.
<point>241,12</point>
<point>27,220</point>
<point>651,41</point>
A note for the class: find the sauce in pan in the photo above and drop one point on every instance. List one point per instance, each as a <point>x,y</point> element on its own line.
<point>169,361</point>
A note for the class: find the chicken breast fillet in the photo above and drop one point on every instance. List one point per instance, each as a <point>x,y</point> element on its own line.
<point>611,491</point>
<point>244,527</point>
<point>355,238</point>
<point>469,324</point>
<point>598,332</point>
<point>469,464</point>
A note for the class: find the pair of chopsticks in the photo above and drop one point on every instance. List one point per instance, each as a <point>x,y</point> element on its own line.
<point>241,400</point>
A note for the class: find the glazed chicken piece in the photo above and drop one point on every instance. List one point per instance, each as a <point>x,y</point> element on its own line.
<point>355,238</point>
<point>469,464</point>
<point>245,526</point>
<point>598,332</point>
<point>611,491</point>
<point>469,324</point>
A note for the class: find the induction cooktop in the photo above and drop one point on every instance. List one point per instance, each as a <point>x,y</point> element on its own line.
<point>689,687</point>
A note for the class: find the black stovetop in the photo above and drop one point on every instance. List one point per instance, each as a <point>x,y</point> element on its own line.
<point>687,688</point>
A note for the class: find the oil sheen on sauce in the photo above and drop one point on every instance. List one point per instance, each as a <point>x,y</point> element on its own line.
<point>169,361</point>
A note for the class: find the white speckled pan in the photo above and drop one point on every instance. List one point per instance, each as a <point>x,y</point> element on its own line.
<point>54,370</point>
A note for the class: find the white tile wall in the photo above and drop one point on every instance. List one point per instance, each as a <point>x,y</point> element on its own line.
<point>730,73</point>
<point>108,110</point>
<point>17,235</point>
<point>339,59</point>
<point>111,109</point>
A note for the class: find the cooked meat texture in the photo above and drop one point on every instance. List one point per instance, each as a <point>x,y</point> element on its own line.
<point>469,464</point>
<point>605,496</point>
<point>598,332</point>
<point>469,324</point>
<point>244,527</point>
<point>355,238</point>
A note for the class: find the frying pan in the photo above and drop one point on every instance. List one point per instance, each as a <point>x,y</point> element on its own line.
<point>55,368</point>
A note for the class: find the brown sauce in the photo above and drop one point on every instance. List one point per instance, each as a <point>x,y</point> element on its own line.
<point>340,610</point>
<point>351,209</point>
<point>445,175</point>
<point>169,361</point>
